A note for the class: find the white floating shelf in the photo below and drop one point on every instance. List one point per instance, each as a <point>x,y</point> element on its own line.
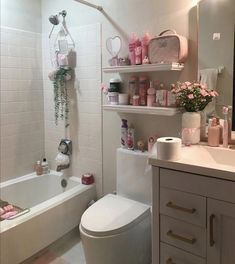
<point>162,111</point>
<point>145,68</point>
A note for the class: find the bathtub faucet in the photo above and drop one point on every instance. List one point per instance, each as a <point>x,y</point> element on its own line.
<point>62,167</point>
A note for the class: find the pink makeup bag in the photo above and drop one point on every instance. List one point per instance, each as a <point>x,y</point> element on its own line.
<point>168,48</point>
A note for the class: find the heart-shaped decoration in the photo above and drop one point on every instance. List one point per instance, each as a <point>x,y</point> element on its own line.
<point>114,45</point>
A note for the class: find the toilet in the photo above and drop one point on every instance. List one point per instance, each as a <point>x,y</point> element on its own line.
<point>117,228</point>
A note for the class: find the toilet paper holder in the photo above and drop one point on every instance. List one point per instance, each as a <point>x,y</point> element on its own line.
<point>65,146</point>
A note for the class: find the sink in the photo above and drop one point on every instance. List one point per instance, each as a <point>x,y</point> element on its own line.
<point>216,162</point>
<point>222,155</point>
<point>209,156</point>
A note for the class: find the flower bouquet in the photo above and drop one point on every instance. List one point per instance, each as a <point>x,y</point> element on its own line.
<point>193,97</point>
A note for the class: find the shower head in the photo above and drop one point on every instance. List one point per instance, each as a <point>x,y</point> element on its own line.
<point>54,20</point>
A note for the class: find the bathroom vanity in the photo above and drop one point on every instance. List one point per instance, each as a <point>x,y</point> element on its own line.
<point>194,207</point>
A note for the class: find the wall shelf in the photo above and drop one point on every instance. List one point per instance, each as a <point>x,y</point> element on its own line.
<point>162,111</point>
<point>145,68</point>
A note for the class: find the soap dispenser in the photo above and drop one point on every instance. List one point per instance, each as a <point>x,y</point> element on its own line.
<point>213,134</point>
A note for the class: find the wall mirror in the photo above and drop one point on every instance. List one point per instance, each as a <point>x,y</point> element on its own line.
<point>216,20</point>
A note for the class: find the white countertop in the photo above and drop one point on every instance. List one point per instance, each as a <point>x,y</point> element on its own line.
<point>216,162</point>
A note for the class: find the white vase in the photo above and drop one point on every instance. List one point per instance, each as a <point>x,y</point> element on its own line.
<point>191,123</point>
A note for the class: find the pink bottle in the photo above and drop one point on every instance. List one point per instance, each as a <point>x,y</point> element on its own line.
<point>143,87</point>
<point>151,95</point>
<point>213,134</point>
<point>133,88</point>
<point>138,56</point>
<point>145,43</point>
<point>132,46</point>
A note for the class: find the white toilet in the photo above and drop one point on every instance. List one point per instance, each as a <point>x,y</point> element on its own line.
<point>117,228</point>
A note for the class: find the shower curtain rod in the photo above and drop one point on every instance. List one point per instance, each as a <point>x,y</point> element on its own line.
<point>100,8</point>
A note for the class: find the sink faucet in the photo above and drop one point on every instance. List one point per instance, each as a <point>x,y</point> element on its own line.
<point>62,167</point>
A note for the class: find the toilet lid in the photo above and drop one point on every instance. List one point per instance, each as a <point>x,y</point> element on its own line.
<point>113,214</point>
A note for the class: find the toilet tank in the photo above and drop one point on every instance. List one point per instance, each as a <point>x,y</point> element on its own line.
<point>134,175</point>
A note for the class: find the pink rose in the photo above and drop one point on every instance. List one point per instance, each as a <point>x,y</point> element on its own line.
<point>203,93</point>
<point>190,96</point>
<point>183,86</point>
<point>188,83</point>
<point>203,86</point>
<point>214,93</point>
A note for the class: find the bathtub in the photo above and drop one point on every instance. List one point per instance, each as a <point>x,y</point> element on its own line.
<point>50,212</point>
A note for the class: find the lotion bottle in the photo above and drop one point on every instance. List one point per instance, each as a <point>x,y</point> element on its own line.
<point>213,134</point>
<point>38,168</point>
<point>130,137</point>
<point>124,129</point>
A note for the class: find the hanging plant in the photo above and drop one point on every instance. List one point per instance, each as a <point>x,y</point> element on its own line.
<point>61,99</point>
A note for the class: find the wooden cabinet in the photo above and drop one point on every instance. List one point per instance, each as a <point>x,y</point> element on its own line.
<point>193,218</point>
<point>221,232</point>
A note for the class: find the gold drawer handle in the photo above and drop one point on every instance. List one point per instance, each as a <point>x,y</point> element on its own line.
<point>190,241</point>
<point>212,241</point>
<point>169,261</point>
<point>180,208</point>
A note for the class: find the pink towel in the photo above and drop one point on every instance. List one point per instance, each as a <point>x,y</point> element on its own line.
<point>8,214</point>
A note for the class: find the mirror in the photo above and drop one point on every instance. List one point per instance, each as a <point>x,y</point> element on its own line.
<point>216,47</point>
<point>114,46</point>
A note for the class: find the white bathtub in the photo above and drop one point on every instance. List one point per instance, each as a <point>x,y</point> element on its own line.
<point>54,211</point>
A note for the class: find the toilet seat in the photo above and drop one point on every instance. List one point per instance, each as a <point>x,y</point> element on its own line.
<point>113,214</point>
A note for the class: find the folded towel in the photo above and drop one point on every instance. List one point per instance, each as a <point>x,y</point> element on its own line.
<point>9,214</point>
<point>8,208</point>
<point>1,211</point>
<point>209,77</point>
<point>3,203</point>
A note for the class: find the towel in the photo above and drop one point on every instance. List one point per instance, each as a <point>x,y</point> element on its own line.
<point>209,77</point>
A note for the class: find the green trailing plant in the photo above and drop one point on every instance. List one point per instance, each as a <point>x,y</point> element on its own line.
<point>61,99</point>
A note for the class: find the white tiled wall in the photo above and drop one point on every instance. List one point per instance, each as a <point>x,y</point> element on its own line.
<point>85,105</point>
<point>21,93</point>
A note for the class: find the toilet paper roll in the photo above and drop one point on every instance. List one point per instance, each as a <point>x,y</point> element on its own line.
<point>62,159</point>
<point>168,148</point>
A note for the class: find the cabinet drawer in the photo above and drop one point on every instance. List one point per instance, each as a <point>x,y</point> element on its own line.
<point>184,206</point>
<point>185,236</point>
<point>172,255</point>
<point>198,184</point>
